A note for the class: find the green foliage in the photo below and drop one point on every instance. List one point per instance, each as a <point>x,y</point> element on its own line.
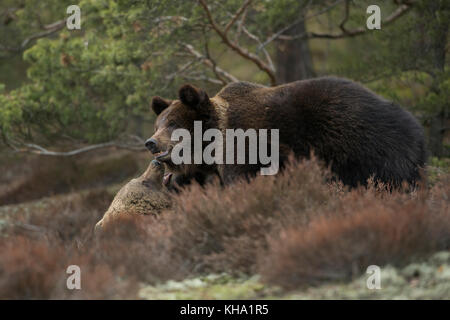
<point>83,84</point>
<point>90,84</point>
<point>443,164</point>
<point>87,84</point>
<point>404,61</point>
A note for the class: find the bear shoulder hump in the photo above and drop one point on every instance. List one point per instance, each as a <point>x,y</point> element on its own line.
<point>239,88</point>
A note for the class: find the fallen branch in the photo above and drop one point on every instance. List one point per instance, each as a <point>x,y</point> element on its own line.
<point>138,145</point>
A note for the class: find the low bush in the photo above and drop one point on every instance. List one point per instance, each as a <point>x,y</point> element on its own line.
<point>297,228</point>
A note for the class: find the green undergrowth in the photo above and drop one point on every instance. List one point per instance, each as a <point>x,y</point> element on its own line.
<point>428,279</point>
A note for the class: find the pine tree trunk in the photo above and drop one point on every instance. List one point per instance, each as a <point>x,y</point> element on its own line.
<point>293,58</point>
<point>436,135</point>
<point>438,46</point>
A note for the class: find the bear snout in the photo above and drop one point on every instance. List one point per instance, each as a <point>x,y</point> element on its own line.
<point>152,145</point>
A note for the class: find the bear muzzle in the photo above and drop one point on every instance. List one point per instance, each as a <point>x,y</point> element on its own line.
<point>152,145</point>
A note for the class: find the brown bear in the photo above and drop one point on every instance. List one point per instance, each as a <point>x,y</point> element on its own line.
<point>357,133</point>
<point>144,195</point>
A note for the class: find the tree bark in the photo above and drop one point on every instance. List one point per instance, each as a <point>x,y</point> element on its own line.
<point>438,50</point>
<point>293,58</point>
<point>436,135</point>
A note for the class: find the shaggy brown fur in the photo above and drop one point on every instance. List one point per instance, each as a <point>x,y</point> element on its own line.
<point>144,195</point>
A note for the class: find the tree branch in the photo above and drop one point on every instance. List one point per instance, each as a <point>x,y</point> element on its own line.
<point>240,24</point>
<point>241,28</point>
<point>201,78</point>
<point>8,15</point>
<point>278,34</point>
<point>236,16</point>
<point>48,30</point>
<point>235,47</point>
<point>210,64</point>
<point>170,18</point>
<point>347,14</point>
<point>401,10</point>
<point>183,68</point>
<point>214,64</point>
<point>266,54</point>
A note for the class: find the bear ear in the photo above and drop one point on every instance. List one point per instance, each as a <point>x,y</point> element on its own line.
<point>191,96</point>
<point>159,104</point>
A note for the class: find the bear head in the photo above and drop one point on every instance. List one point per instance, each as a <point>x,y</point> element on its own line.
<point>193,105</point>
<point>143,195</point>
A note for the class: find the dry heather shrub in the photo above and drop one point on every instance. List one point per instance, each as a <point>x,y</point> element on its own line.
<point>31,269</point>
<point>295,228</point>
<point>66,219</point>
<point>218,229</point>
<point>141,245</point>
<point>43,240</point>
<point>364,228</point>
<point>39,246</point>
<point>28,268</point>
<point>47,176</point>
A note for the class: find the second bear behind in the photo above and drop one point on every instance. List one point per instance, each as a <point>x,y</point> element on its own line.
<point>144,195</point>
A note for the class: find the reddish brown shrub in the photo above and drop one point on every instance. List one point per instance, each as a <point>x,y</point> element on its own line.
<point>31,269</point>
<point>218,229</point>
<point>28,268</point>
<point>363,229</point>
<point>37,248</point>
<point>65,219</point>
<point>295,228</point>
<point>141,245</point>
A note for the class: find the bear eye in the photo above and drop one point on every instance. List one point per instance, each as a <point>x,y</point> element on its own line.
<point>172,124</point>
